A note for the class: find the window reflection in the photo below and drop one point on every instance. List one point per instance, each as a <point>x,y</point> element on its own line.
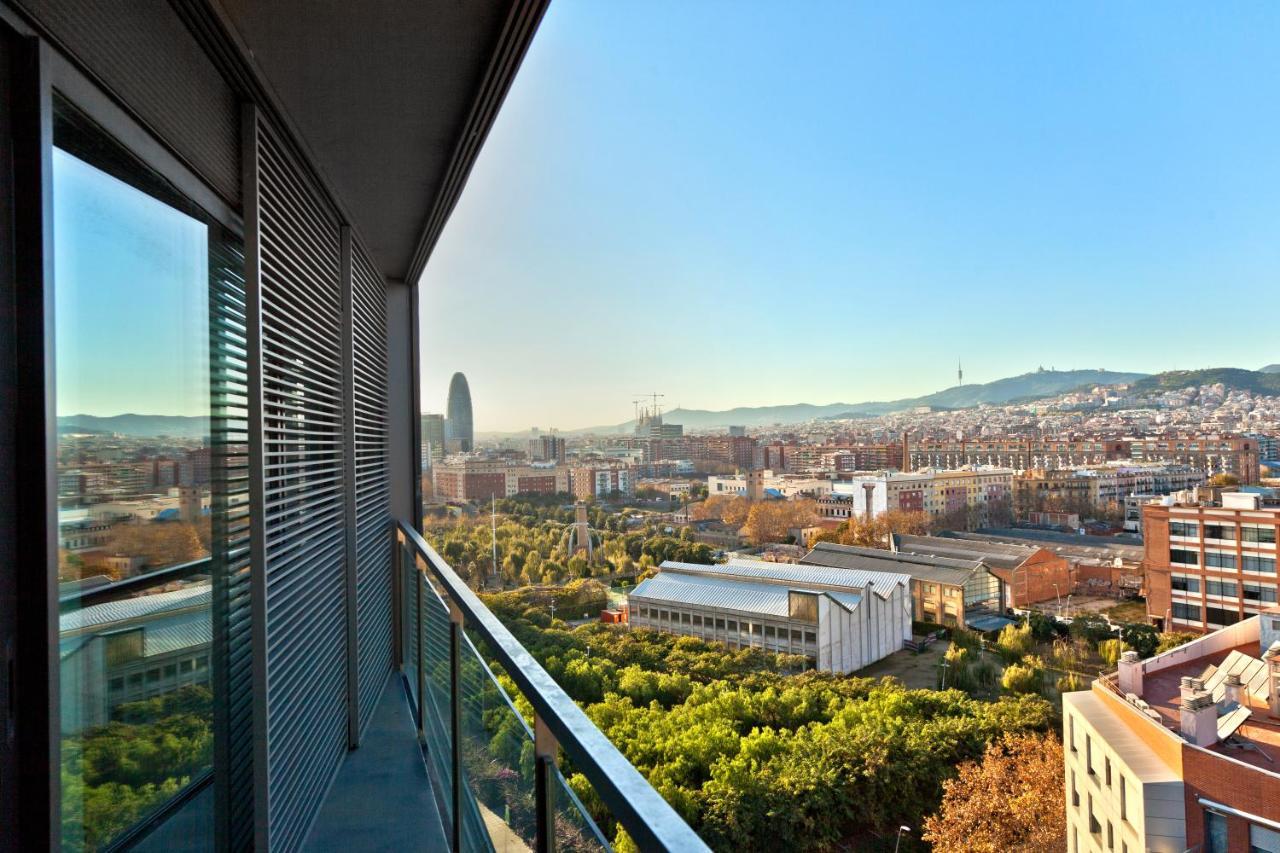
<point>135,472</point>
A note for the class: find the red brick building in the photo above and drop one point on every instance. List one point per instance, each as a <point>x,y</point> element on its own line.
<point>1210,565</point>
<point>1174,753</point>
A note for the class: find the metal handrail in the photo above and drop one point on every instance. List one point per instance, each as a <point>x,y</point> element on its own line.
<point>128,586</point>
<point>650,821</point>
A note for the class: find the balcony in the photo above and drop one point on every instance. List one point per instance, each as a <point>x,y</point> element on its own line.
<point>241,199</point>
<point>447,760</point>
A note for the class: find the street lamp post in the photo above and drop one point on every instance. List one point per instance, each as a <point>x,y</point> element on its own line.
<point>901,830</point>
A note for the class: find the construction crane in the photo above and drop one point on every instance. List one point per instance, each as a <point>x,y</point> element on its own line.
<point>654,395</point>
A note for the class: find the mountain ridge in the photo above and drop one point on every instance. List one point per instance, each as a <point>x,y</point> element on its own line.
<point>1034,384</point>
<point>137,425</point>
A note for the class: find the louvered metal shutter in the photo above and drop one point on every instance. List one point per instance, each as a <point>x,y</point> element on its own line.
<point>300,609</point>
<point>372,487</point>
<point>232,608</point>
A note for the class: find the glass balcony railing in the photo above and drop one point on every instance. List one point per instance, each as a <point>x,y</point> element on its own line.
<point>495,758</point>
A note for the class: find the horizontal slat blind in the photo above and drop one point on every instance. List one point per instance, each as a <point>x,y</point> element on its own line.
<point>372,487</point>
<point>232,607</point>
<point>303,485</point>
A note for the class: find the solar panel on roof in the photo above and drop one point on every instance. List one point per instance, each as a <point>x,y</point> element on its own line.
<point>1252,672</point>
<point>1229,723</point>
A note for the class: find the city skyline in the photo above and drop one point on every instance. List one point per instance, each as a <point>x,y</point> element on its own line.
<point>701,213</point>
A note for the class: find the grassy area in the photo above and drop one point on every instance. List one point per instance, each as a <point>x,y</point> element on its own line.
<point>1128,611</point>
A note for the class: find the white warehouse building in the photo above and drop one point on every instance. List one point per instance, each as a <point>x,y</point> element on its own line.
<point>841,619</point>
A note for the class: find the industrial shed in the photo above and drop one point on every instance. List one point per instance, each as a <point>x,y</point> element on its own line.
<point>841,620</point>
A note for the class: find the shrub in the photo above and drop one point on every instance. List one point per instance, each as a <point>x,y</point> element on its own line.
<point>1091,627</point>
<point>1170,640</point>
<point>1140,637</point>
<point>984,674</point>
<point>1070,682</point>
<point>1043,628</point>
<point>1015,641</point>
<point>1023,677</point>
<point>1110,650</point>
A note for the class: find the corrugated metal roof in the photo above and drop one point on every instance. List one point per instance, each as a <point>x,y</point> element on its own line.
<point>765,599</point>
<point>850,580</point>
<point>129,609</point>
<point>185,631</point>
<point>922,567</point>
<point>999,555</point>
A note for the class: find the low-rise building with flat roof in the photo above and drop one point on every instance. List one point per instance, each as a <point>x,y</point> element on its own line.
<point>1178,752</point>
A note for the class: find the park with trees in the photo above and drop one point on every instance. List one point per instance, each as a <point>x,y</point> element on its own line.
<point>752,748</point>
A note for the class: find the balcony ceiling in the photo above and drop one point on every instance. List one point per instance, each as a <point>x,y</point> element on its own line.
<point>392,100</point>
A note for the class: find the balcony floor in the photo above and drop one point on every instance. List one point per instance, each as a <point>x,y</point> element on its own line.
<point>382,798</point>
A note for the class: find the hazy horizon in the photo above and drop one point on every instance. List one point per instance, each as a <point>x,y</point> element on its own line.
<point>735,207</point>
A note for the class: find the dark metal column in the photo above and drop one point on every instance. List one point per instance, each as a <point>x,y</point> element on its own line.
<point>29,543</point>
<point>544,804</point>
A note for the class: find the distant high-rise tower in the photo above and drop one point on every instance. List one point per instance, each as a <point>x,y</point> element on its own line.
<point>458,427</point>
<point>432,438</point>
<point>959,374</point>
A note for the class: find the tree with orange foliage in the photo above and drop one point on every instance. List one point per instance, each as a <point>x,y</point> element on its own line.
<point>731,509</point>
<point>1011,800</point>
<point>874,532</point>
<point>158,543</point>
<point>769,521</point>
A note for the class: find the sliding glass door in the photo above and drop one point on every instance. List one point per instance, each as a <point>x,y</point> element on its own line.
<point>143,405</point>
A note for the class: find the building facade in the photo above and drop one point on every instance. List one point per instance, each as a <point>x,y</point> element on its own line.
<point>1212,454</point>
<point>590,482</point>
<point>472,479</point>
<point>1173,753</point>
<point>944,590</point>
<point>1209,564</point>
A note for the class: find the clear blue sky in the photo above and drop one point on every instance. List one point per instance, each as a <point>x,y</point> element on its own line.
<point>739,206</point>
<point>131,298</point>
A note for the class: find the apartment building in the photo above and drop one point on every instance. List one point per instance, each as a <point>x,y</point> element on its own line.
<point>842,620</point>
<point>547,448</point>
<point>1091,488</point>
<point>1212,454</point>
<point>771,483</point>
<point>736,450</point>
<point>1209,563</point>
<point>472,479</point>
<point>987,492</point>
<point>1175,753</point>
<point>587,482</point>
<point>944,590</point>
<point>1019,454</point>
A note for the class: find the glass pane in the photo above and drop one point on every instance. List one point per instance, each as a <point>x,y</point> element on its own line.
<point>437,702</point>
<point>575,831</point>
<point>497,762</point>
<point>134,263</point>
